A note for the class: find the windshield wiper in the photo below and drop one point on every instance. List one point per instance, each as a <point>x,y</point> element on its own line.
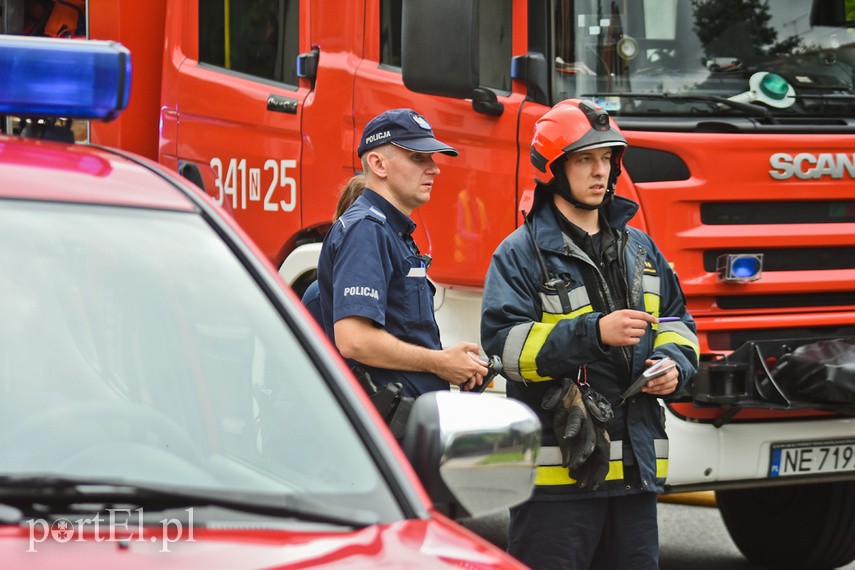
<point>826,96</point>
<point>24,490</point>
<point>749,109</point>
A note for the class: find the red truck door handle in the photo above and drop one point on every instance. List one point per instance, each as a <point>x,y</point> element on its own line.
<point>282,104</point>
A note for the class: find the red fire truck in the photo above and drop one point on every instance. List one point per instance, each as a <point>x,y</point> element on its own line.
<point>741,119</point>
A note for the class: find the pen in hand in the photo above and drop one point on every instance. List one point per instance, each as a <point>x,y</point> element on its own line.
<point>668,319</point>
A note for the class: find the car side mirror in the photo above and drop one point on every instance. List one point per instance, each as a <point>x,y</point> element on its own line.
<point>474,453</point>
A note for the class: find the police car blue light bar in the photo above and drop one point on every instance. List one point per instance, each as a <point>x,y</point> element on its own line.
<point>739,267</point>
<point>63,78</point>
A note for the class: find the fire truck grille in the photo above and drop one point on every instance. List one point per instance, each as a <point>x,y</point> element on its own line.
<point>786,301</point>
<point>731,340</point>
<point>792,259</point>
<point>744,213</point>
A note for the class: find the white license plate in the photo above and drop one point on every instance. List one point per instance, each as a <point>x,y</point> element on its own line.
<point>811,457</point>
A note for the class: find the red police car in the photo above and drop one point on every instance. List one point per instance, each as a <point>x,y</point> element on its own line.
<point>165,399</point>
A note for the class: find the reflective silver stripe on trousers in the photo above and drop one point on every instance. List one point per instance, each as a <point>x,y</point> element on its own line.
<point>551,455</point>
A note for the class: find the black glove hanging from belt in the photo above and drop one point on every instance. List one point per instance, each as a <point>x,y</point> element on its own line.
<point>580,416</point>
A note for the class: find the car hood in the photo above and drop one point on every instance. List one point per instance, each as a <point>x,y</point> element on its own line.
<point>434,543</point>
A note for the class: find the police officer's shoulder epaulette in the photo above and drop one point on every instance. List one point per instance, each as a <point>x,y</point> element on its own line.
<point>354,214</point>
<point>373,213</point>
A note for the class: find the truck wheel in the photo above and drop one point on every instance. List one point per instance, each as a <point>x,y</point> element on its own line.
<point>797,526</point>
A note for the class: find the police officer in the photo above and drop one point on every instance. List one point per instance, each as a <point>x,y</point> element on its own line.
<point>575,293</point>
<point>376,299</point>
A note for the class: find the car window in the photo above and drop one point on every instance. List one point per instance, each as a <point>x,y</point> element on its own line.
<point>134,345</point>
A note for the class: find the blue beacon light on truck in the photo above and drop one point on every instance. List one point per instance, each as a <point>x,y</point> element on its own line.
<point>63,78</point>
<point>739,268</point>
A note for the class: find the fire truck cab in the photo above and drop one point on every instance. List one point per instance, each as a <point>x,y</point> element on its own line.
<point>741,124</point>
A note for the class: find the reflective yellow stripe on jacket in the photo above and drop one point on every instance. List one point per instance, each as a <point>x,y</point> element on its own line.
<point>525,341</point>
<point>676,332</point>
<point>551,472</point>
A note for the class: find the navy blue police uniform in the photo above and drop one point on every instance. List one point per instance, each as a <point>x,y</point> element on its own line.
<point>312,301</point>
<point>370,267</point>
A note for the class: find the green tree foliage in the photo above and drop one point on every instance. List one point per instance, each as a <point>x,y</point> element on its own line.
<point>733,27</point>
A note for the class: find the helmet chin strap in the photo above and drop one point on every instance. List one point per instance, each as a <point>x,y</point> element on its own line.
<point>561,186</point>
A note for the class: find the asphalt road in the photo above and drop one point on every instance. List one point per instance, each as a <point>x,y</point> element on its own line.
<point>690,538</point>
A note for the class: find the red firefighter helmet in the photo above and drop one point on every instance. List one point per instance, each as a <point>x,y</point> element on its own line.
<point>570,126</point>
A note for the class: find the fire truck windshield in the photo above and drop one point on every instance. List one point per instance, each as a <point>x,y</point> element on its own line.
<point>681,57</point>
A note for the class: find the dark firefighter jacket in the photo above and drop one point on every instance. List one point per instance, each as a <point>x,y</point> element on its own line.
<point>539,342</point>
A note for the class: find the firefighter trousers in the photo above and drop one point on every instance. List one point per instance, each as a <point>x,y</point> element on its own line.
<point>608,533</point>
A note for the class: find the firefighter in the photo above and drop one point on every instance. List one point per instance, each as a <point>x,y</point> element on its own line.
<point>571,303</point>
<point>376,299</point>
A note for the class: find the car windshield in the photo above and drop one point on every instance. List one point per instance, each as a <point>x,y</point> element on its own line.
<point>645,57</point>
<point>135,347</point>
